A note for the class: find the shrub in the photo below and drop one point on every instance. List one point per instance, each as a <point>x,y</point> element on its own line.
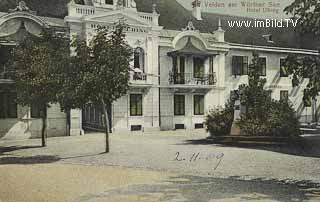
<point>219,121</point>
<point>279,120</point>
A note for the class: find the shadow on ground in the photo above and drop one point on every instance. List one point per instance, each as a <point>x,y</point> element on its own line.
<point>204,189</point>
<point>8,149</point>
<point>29,159</point>
<point>307,147</point>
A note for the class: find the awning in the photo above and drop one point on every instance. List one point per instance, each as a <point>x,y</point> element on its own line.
<point>190,50</point>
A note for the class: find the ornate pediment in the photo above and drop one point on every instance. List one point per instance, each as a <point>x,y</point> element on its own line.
<point>115,16</point>
<point>22,7</point>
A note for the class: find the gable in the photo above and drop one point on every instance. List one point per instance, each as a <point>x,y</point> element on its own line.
<point>113,17</point>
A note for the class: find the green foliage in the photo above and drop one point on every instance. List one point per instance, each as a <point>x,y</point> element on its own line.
<point>102,71</point>
<point>253,95</point>
<point>307,12</point>
<point>279,120</point>
<point>102,67</point>
<point>264,116</point>
<point>305,67</point>
<point>219,121</point>
<point>37,64</point>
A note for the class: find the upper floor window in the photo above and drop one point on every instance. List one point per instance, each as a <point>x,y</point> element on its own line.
<point>8,105</point>
<point>283,68</point>
<point>263,66</point>
<point>198,67</point>
<point>239,65</point>
<point>179,69</point>
<point>138,58</point>
<point>109,2</point>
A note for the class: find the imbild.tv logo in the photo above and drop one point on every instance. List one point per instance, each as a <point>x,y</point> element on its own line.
<point>266,23</point>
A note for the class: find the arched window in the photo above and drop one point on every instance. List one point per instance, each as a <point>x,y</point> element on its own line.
<point>109,2</point>
<point>139,58</point>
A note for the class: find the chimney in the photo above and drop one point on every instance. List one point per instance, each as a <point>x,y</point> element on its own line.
<point>196,9</point>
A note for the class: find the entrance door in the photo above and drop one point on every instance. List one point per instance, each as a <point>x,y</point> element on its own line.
<point>93,118</point>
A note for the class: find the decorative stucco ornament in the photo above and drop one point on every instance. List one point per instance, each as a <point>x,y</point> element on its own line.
<point>133,4</point>
<point>22,6</point>
<point>189,27</point>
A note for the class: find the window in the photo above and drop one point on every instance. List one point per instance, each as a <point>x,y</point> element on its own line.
<point>262,66</point>
<point>239,65</point>
<point>283,68</point>
<point>198,67</point>
<point>198,104</point>
<point>138,58</point>
<point>5,55</point>
<point>109,2</point>
<point>307,100</point>
<point>8,105</point>
<point>284,95</point>
<point>179,66</point>
<point>37,111</point>
<point>179,105</point>
<point>135,105</point>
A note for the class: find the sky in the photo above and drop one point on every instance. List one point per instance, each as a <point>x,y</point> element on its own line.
<point>272,9</point>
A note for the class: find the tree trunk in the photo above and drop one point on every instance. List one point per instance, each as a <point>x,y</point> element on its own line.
<point>106,120</point>
<point>44,128</point>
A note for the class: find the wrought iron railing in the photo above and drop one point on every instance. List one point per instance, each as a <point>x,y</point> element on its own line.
<point>191,79</point>
<point>138,78</point>
<point>5,73</point>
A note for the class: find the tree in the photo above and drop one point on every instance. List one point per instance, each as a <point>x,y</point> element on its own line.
<point>307,12</point>
<point>37,62</point>
<point>253,95</point>
<point>264,116</point>
<point>103,68</point>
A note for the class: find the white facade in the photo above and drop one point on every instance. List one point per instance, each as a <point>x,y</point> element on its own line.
<point>169,69</point>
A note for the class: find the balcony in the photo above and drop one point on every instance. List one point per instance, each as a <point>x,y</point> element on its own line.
<point>190,79</point>
<point>5,75</point>
<point>80,10</point>
<point>139,79</point>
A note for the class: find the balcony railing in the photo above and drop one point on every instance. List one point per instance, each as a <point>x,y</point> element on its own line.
<point>5,73</point>
<point>191,79</point>
<point>138,78</point>
<point>81,10</point>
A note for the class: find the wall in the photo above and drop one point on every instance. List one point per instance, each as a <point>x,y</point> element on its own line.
<point>274,81</point>
<point>26,127</point>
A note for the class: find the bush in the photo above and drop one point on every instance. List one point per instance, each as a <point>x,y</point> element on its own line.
<point>264,116</point>
<point>219,121</point>
<point>279,120</point>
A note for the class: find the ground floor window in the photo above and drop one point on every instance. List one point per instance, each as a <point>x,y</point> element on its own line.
<point>136,105</point>
<point>8,105</point>
<point>37,111</point>
<point>284,95</point>
<point>179,105</point>
<point>198,103</point>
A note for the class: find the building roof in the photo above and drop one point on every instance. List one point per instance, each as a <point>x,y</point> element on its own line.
<point>189,49</point>
<point>174,16</point>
